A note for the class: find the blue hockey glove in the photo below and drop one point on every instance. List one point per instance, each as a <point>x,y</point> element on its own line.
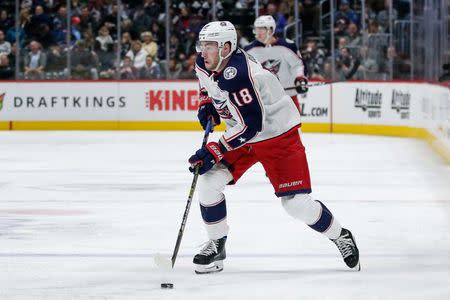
<point>301,85</point>
<point>206,110</point>
<point>206,157</point>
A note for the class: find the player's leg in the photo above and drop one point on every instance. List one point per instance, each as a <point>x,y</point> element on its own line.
<point>287,168</point>
<point>214,214</point>
<point>317,216</point>
<point>213,207</point>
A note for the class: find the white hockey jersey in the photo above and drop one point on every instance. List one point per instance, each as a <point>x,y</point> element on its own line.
<point>281,58</point>
<point>249,99</point>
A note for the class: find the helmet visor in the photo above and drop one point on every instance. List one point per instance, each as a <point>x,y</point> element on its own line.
<point>206,47</point>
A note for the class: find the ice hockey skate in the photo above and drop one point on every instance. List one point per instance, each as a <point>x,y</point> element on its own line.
<point>210,259</point>
<point>347,246</point>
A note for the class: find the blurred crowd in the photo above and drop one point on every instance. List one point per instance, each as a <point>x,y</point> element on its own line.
<point>96,48</point>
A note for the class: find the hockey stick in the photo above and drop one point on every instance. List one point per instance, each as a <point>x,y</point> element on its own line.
<point>160,260</point>
<point>315,84</point>
<point>347,77</point>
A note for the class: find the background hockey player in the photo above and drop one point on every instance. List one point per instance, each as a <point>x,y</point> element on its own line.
<point>262,126</point>
<point>279,56</point>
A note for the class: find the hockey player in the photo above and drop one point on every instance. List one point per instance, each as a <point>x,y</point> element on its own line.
<point>262,126</point>
<point>279,56</point>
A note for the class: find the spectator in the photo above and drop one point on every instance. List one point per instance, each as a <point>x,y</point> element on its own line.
<point>342,43</point>
<point>158,34</point>
<point>75,28</point>
<point>56,62</point>
<point>314,57</point>
<point>58,34</point>
<point>401,65</point>
<point>175,47</point>
<point>152,9</point>
<point>346,12</point>
<point>110,20</point>
<point>340,28</point>
<point>280,20</point>
<point>148,44</point>
<point>137,54</point>
<point>191,41</point>
<point>373,27</point>
<point>75,8</point>
<point>44,36</point>
<point>125,44</point>
<point>141,21</point>
<point>24,20</point>
<point>61,17</point>
<point>174,69</point>
<point>354,37</point>
<point>87,20</point>
<point>151,69</point>
<point>383,16</point>
<point>107,60</point>
<point>196,24</point>
<point>368,68</point>
<point>6,72</point>
<point>127,70</point>
<point>5,21</point>
<point>310,16</point>
<point>35,62</point>
<point>37,20</point>
<point>89,39</point>
<point>183,21</point>
<point>188,67</point>
<point>104,38</point>
<point>327,73</point>
<point>5,47</point>
<point>84,62</point>
<point>346,65</point>
<point>376,41</point>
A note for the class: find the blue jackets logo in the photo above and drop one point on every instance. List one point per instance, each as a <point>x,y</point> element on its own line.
<point>230,73</point>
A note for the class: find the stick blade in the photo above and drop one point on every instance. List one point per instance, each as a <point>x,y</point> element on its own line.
<point>162,262</point>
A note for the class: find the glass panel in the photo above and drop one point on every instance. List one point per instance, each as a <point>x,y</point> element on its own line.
<point>339,39</point>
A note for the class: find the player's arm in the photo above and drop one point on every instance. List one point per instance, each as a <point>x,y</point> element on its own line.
<point>298,68</point>
<point>250,116</point>
<point>206,109</point>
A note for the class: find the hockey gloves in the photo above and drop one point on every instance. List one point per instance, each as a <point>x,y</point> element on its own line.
<point>301,85</point>
<point>206,157</point>
<point>206,110</point>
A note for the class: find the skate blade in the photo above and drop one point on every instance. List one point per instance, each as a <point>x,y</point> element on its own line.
<point>357,268</point>
<point>162,262</point>
<point>214,267</point>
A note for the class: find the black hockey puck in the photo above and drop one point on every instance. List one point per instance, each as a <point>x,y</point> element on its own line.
<point>167,285</point>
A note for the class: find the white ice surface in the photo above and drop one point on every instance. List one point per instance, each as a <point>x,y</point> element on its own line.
<point>83,213</point>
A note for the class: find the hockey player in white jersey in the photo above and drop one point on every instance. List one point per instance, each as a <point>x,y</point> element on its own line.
<point>262,126</point>
<point>280,56</point>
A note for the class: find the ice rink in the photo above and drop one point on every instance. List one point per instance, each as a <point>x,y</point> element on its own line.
<point>83,213</point>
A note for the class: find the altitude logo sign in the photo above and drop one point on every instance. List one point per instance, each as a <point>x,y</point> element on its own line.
<point>2,97</point>
<point>401,103</point>
<point>369,101</point>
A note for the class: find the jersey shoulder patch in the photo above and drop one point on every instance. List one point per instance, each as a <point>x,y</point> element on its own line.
<point>229,73</point>
<point>235,73</point>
